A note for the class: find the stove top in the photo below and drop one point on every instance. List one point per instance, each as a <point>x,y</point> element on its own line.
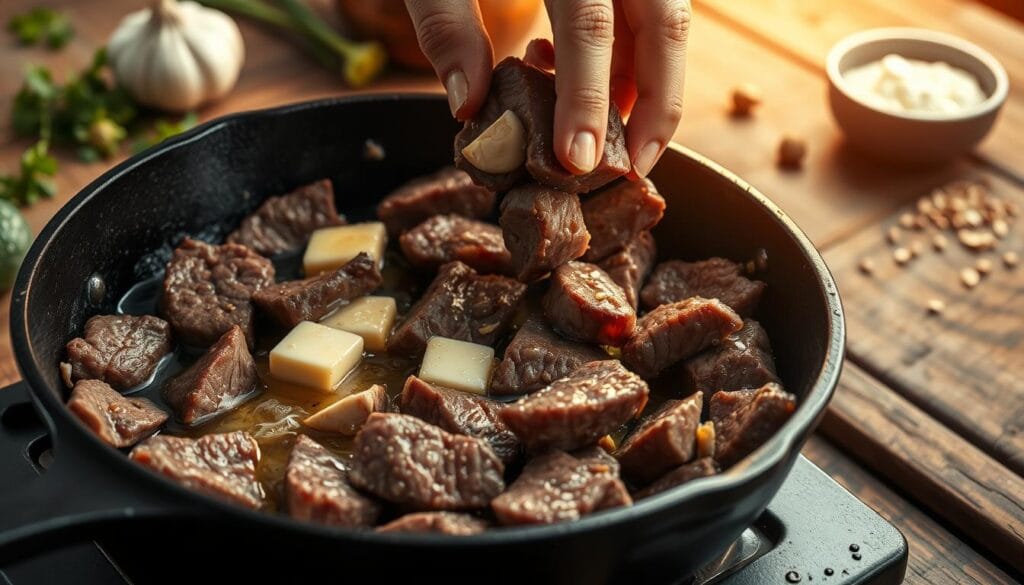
<point>814,531</point>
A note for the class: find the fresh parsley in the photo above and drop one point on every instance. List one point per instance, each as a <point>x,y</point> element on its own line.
<point>42,25</point>
<point>33,182</point>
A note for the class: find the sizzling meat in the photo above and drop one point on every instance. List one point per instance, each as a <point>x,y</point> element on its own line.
<point>536,357</point>
<point>630,266</point>
<point>118,420</point>
<point>449,190</point>
<point>715,278</point>
<point>121,350</point>
<point>742,360</point>
<point>618,213</point>
<point>216,382</point>
<point>446,238</point>
<point>437,523</point>
<point>746,419</point>
<point>317,489</point>
<point>664,440</point>
<point>285,222</point>
<point>583,303</point>
<point>703,467</point>
<point>543,229</point>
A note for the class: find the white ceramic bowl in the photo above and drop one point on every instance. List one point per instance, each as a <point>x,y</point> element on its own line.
<point>912,137</point>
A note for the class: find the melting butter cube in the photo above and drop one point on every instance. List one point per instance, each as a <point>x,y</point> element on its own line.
<point>315,355</point>
<point>457,364</point>
<point>330,248</point>
<point>368,317</point>
<point>347,415</point>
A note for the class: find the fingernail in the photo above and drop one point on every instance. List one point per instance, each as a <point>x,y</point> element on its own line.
<point>457,89</point>
<point>646,158</point>
<point>583,151</point>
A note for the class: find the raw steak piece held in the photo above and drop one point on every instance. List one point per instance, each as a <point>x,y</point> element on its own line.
<point>437,523</point>
<point>118,420</point>
<point>585,304</point>
<point>576,411</point>
<point>121,350</point>
<point>630,267</point>
<point>745,419</point>
<point>536,357</point>
<point>445,238</point>
<point>221,465</point>
<point>284,222</point>
<point>742,360</point>
<point>703,467</point>
<point>618,213</point>
<point>449,190</point>
<point>348,415</point>
<point>216,382</point>
<point>676,332</point>
<point>317,489</point>
<point>543,229</point>
<point>663,440</point>
<point>714,278</point>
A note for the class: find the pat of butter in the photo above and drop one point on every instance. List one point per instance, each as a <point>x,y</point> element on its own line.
<point>315,355</point>
<point>457,364</point>
<point>347,415</point>
<point>368,317</point>
<point>330,248</point>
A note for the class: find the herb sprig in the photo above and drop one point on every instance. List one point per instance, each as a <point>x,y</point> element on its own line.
<point>42,25</point>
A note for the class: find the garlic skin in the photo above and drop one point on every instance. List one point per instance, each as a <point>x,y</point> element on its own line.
<point>176,56</point>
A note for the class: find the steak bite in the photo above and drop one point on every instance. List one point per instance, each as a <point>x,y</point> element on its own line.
<point>618,213</point>
<point>745,419</point>
<point>284,222</point>
<point>416,465</point>
<point>677,331</point>
<point>630,266</point>
<point>216,382</point>
<point>121,350</point>
<point>221,465</point>
<point>743,360</point>
<point>459,304</point>
<point>317,489</point>
<point>536,357</point>
<point>714,278</point>
<point>529,93</point>
<point>208,290</point>
<point>436,522</point>
<point>703,467</point>
<point>664,440</point>
<point>445,238</point>
<point>576,411</point>
<point>449,190</point>
<point>559,486</point>
<point>118,420</point>
<point>290,303</point>
<point>583,303</point>
<point>543,229</point>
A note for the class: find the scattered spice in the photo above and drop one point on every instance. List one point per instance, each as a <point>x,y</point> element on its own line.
<point>901,256</point>
<point>894,235</point>
<point>983,266</point>
<point>939,242</point>
<point>936,306</point>
<point>970,277</point>
<point>976,239</point>
<point>1010,258</point>
<point>792,151</point>
<point>867,266</point>
<point>745,97</point>
<point>1000,228</point>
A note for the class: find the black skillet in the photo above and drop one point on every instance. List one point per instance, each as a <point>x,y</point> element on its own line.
<point>86,258</point>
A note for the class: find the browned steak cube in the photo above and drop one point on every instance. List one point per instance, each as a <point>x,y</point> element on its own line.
<point>221,465</point>
<point>416,465</point>
<point>217,382</point>
<point>208,290</point>
<point>449,190</point>
<point>543,229</point>
<point>530,94</point>
<point>437,523</point>
<point>630,266</point>
<point>576,411</point>
<point>446,238</point>
<point>618,213</point>
<point>290,303</point>
<point>585,304</point>
<point>117,420</point>
<point>745,419</point>
<point>742,360</point>
<point>559,486</point>
<point>461,413</point>
<point>317,489</point>
<point>703,467</point>
<point>664,440</point>
<point>285,222</point>
<point>459,304</point>
<point>121,350</point>
<point>675,332</point>
<point>536,357</point>
<point>714,278</point>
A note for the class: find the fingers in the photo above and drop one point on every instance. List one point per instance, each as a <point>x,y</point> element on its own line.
<point>452,36</point>
<point>540,53</point>
<point>623,81</point>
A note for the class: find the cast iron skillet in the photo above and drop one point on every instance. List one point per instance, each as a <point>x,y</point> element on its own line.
<point>84,260</point>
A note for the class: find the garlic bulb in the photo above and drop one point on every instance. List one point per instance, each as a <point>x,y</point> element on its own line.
<point>176,55</point>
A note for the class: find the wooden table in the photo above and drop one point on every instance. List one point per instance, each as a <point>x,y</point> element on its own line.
<point>928,424</point>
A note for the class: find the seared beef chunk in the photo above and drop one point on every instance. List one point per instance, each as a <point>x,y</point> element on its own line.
<point>408,462</point>
<point>449,190</point>
<point>444,238</point>
<point>745,419</point>
<point>222,465</point>
<point>703,467</point>
<point>208,289</point>
<point>317,489</point>
<point>285,222</point>
<point>559,486</point>
<point>663,440</point>
<point>543,229</point>
<point>536,357</point>
<point>742,360</point>
<point>576,411</point>
<point>462,413</point>
<point>118,420</point>
<point>437,523</point>
<point>215,382</point>
<point>121,350</point>
<point>678,331</point>
<point>460,304</point>
<point>530,94</point>
<point>618,213</point>
<point>290,303</point>
<point>715,278</point>
<point>630,266</point>
<point>585,304</point>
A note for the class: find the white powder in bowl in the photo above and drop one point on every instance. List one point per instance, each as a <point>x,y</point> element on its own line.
<point>898,84</point>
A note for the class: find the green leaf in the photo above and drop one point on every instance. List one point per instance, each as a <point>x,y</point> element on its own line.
<point>42,24</point>
<point>31,183</point>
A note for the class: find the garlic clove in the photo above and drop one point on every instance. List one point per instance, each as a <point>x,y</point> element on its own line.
<point>501,148</point>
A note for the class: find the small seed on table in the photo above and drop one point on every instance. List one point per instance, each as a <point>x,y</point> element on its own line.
<point>1000,228</point>
<point>744,98</point>
<point>983,266</point>
<point>1010,258</point>
<point>936,306</point>
<point>916,248</point>
<point>894,235</point>
<point>867,266</point>
<point>976,239</point>
<point>907,221</point>
<point>792,151</point>
<point>901,255</point>
<point>939,242</point>
<point>970,277</point>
